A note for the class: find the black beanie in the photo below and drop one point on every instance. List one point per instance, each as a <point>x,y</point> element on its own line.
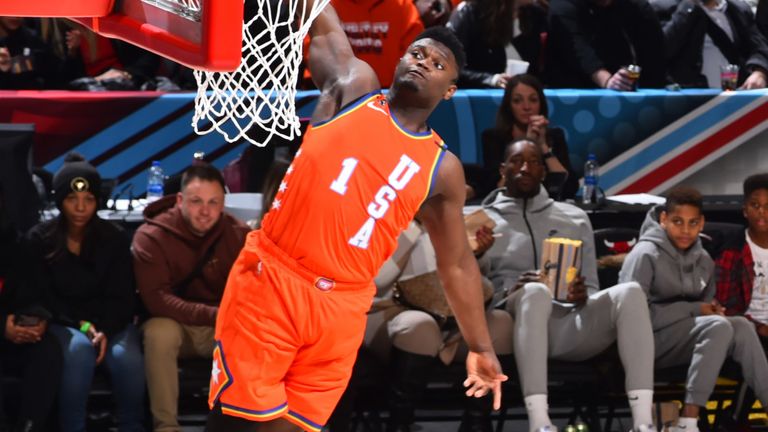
<point>76,175</point>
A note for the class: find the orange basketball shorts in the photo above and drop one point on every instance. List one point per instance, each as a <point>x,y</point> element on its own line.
<point>286,338</point>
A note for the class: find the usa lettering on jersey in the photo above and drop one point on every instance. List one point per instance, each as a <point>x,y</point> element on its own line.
<point>398,179</point>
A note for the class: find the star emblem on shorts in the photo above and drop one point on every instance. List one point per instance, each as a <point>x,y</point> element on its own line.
<point>276,204</point>
<point>215,371</point>
<point>283,187</point>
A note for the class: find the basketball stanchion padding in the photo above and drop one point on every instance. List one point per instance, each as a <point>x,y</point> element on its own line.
<point>56,8</point>
<point>201,34</point>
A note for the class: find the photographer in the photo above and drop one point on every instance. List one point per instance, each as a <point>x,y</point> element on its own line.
<point>27,350</point>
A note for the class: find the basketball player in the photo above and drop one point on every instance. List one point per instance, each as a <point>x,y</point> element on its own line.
<point>294,310</point>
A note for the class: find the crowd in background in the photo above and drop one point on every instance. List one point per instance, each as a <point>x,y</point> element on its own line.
<point>565,43</point>
<point>77,293</point>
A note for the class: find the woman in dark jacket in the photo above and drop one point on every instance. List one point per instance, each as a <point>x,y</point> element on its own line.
<point>83,266</point>
<point>523,114</point>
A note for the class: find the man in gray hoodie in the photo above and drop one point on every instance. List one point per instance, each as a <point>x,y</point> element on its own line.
<point>584,326</point>
<point>690,328</point>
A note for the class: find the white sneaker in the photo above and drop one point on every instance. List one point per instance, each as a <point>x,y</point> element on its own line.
<point>677,428</point>
<point>548,428</point>
<point>645,428</point>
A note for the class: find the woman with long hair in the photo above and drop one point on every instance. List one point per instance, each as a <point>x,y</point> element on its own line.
<point>82,265</point>
<point>523,114</point>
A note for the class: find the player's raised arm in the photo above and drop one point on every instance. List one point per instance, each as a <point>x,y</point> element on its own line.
<point>340,76</point>
<point>456,265</point>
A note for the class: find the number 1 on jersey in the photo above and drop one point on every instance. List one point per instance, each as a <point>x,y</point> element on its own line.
<point>339,185</point>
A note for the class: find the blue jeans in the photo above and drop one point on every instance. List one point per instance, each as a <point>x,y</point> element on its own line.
<point>124,361</point>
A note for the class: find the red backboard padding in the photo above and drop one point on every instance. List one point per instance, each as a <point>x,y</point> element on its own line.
<point>213,43</point>
<point>56,8</point>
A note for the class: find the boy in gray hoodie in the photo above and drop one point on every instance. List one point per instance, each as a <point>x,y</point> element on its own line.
<point>690,328</point>
<point>576,330</point>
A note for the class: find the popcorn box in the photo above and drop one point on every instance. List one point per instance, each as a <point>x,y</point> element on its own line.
<point>560,264</point>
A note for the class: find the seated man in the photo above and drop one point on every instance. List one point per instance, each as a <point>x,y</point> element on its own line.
<point>689,327</point>
<point>182,257</point>
<point>742,266</point>
<point>576,330</point>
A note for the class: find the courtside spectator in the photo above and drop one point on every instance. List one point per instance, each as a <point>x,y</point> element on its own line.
<point>742,267</point>
<point>182,255</point>
<point>583,325</point>
<point>82,265</point>
<point>689,325</point>
<point>523,114</point>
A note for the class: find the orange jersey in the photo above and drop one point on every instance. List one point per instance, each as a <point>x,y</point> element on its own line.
<point>354,185</point>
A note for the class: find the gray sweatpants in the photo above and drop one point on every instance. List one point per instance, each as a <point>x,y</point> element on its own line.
<point>544,329</point>
<point>704,342</point>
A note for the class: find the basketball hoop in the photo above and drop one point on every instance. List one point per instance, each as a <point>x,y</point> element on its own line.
<point>246,72</point>
<point>262,91</point>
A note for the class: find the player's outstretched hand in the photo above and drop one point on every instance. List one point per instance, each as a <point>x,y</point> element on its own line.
<point>484,374</point>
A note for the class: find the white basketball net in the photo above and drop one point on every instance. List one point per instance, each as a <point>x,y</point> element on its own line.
<point>262,91</point>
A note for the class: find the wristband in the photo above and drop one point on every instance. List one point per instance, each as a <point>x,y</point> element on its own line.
<point>85,327</point>
<point>548,155</point>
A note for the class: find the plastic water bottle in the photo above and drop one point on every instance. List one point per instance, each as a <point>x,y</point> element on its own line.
<point>591,177</point>
<point>155,181</point>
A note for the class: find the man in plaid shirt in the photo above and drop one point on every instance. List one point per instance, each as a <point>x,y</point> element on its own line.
<point>742,268</point>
